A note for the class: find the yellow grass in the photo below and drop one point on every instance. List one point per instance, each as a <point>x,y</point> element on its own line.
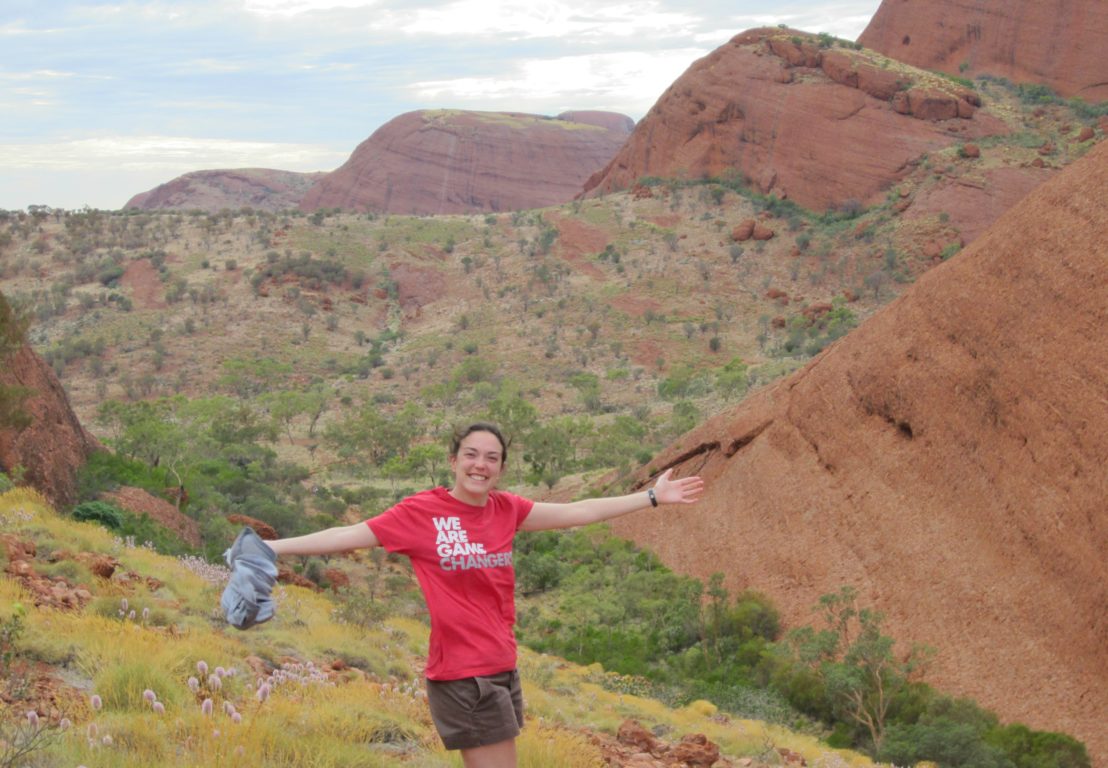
<point>371,715</point>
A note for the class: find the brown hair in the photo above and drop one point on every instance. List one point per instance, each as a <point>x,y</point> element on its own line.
<point>462,433</point>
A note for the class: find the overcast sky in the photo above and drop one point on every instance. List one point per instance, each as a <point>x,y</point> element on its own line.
<point>102,100</point>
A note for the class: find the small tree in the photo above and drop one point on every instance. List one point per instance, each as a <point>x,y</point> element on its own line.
<point>855,662</point>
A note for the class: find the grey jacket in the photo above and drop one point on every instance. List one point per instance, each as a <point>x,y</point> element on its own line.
<point>247,599</point>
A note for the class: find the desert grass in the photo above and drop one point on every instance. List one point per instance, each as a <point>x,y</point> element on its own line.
<point>160,679</point>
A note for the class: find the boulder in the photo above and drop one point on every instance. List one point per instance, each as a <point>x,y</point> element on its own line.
<point>631,733</point>
<point>696,751</point>
<point>743,231</point>
<point>265,531</point>
<point>762,232</point>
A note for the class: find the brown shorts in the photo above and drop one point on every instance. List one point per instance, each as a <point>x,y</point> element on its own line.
<point>476,711</point>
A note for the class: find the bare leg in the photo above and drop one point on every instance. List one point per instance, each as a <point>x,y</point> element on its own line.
<point>502,754</point>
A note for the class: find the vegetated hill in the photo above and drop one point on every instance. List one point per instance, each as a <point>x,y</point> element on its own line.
<point>1059,43</point>
<point>628,304</point>
<point>53,445</point>
<point>453,161</point>
<point>333,679</point>
<point>214,191</point>
<point>802,116</point>
<point>948,459</point>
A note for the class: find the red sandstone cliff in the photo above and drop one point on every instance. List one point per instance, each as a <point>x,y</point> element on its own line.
<point>55,445</point>
<point>450,161</point>
<point>819,126</point>
<point>1061,43</point>
<point>948,459</point>
<point>261,188</point>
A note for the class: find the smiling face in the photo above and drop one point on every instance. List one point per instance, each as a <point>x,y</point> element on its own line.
<point>477,466</point>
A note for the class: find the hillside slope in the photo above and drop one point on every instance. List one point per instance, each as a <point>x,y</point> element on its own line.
<point>212,191</point>
<point>947,458</point>
<point>453,161</point>
<point>328,682</point>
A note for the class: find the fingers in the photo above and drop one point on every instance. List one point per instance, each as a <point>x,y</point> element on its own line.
<point>691,488</point>
<point>683,490</point>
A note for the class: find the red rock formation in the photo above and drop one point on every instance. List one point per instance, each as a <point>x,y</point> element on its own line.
<point>821,127</point>
<point>265,531</point>
<point>160,511</point>
<point>261,188</point>
<point>1060,43</point>
<point>948,459</point>
<point>55,445</point>
<point>45,590</point>
<point>635,746</point>
<point>450,161</point>
<point>972,206</point>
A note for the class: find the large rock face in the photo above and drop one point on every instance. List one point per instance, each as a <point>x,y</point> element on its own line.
<point>821,127</point>
<point>55,445</point>
<point>948,459</point>
<point>444,161</point>
<point>1060,43</point>
<point>213,191</point>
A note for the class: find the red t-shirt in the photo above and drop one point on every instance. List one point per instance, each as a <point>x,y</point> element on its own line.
<point>462,556</point>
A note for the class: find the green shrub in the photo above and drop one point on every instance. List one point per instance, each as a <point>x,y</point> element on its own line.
<point>1086,111</point>
<point>107,471</point>
<point>107,515</point>
<point>1036,93</point>
<point>948,743</point>
<point>109,276</point>
<point>1039,749</point>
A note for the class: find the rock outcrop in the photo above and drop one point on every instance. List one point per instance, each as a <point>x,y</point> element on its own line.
<point>213,191</point>
<point>822,127</point>
<point>140,502</point>
<point>947,458</point>
<point>1059,43</point>
<point>55,445</point>
<point>450,161</point>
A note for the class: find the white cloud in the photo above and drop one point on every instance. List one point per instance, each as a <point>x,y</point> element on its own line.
<point>212,66</point>
<point>38,74</point>
<point>172,154</point>
<point>298,7</point>
<point>845,20</point>
<point>15,29</point>
<point>525,20</point>
<point>628,82</point>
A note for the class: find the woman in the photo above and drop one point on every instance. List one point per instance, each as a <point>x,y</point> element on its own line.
<point>460,544</point>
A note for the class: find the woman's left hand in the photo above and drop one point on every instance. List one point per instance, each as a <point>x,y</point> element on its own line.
<point>683,490</point>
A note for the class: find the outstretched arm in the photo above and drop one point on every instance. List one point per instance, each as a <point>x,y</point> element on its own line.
<point>327,542</point>
<point>545,516</point>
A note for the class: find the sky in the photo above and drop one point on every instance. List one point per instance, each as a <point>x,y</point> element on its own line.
<point>102,100</point>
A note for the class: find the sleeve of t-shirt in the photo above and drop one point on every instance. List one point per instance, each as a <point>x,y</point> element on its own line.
<point>521,506</point>
<point>389,528</point>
